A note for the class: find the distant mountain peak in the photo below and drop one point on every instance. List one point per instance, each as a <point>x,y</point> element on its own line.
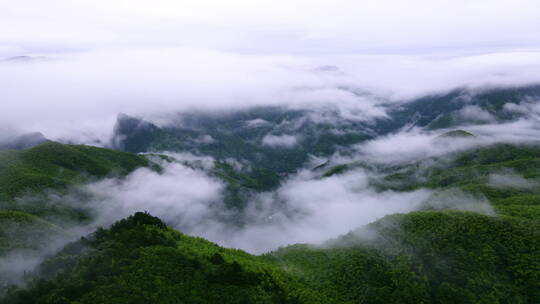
<point>22,141</point>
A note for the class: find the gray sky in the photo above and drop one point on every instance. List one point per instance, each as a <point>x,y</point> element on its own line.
<point>264,26</point>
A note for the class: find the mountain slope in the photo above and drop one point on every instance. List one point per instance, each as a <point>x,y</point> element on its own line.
<point>421,257</point>
<point>28,218</point>
<point>273,138</point>
<point>21,230</point>
<point>55,165</point>
<point>140,260</point>
<point>458,107</point>
<point>508,175</point>
<point>425,257</point>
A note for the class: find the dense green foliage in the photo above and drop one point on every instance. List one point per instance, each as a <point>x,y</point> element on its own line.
<point>140,260</point>
<point>240,135</point>
<point>426,257</point>
<point>421,257</point>
<point>23,231</point>
<point>322,132</point>
<point>29,219</point>
<point>55,165</point>
<point>241,185</point>
<point>441,111</point>
<point>259,179</point>
<point>473,171</point>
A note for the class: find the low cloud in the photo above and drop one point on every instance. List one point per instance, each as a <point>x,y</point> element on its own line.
<point>180,194</point>
<point>524,130</point>
<point>456,199</point>
<point>205,139</point>
<point>305,209</point>
<point>413,145</point>
<point>510,179</point>
<point>77,96</point>
<point>280,141</point>
<point>530,107</point>
<point>474,114</point>
<point>258,122</point>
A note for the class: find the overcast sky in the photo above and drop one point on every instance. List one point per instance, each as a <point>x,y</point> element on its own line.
<point>140,57</point>
<point>270,26</point>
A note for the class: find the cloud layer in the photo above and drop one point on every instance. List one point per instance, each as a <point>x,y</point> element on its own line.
<point>266,26</point>
<point>106,57</point>
<point>79,96</point>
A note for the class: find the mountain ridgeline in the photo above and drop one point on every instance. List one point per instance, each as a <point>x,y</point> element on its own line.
<point>441,253</point>
<point>421,257</point>
<point>275,142</point>
<point>282,139</point>
<point>28,217</point>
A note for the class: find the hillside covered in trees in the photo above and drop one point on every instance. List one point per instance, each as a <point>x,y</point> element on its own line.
<point>422,257</point>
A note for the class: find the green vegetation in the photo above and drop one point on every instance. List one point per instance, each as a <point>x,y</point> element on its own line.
<point>28,217</point>
<point>232,135</point>
<point>339,169</point>
<point>258,179</point>
<point>140,260</point>
<point>55,165</point>
<point>456,134</point>
<point>442,111</point>
<point>425,257</point>
<point>471,172</point>
<point>23,231</point>
<point>421,257</point>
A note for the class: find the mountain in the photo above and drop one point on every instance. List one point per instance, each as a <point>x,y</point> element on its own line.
<point>266,145</point>
<point>282,139</point>
<point>421,257</point>
<point>459,107</point>
<point>22,141</point>
<point>506,175</point>
<point>27,176</point>
<point>55,165</point>
<point>140,260</point>
<point>439,253</point>
<point>425,257</point>
<point>25,59</point>
<point>273,138</point>
<point>21,230</point>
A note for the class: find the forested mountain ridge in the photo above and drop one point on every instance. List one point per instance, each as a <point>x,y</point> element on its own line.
<point>140,260</point>
<point>53,165</point>
<point>506,175</point>
<point>422,257</point>
<point>425,257</point>
<point>281,138</point>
